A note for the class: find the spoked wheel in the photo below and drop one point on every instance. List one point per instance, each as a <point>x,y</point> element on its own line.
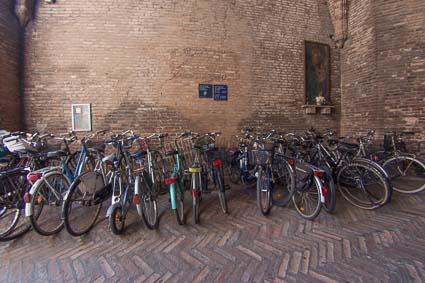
<point>407,174</point>
<point>179,211</point>
<point>116,220</point>
<point>307,202</point>
<point>46,204</point>
<point>284,183</point>
<point>13,186</point>
<point>9,218</point>
<point>81,207</point>
<point>264,200</point>
<point>221,192</point>
<point>159,173</point>
<point>363,186</point>
<point>329,193</point>
<point>196,195</point>
<point>235,175</point>
<point>147,205</point>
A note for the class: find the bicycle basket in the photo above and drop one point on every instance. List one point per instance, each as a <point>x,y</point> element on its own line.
<point>206,142</point>
<point>98,145</point>
<point>16,144</point>
<point>261,157</point>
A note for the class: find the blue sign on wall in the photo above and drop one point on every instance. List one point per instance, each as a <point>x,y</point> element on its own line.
<point>220,92</point>
<point>205,91</point>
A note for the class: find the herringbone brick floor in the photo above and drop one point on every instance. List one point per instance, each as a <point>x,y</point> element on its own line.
<point>386,245</point>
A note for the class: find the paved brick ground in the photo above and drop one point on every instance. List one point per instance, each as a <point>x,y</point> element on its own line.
<point>353,245</point>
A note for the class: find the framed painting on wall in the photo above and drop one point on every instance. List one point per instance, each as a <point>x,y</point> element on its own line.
<point>81,117</point>
<point>317,73</point>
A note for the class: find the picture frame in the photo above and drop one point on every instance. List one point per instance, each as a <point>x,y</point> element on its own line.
<point>81,117</point>
<point>317,72</point>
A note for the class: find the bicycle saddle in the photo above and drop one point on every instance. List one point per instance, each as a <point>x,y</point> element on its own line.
<point>109,158</point>
<point>56,154</point>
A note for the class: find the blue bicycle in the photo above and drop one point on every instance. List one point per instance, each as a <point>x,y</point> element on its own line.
<point>49,185</point>
<point>242,167</point>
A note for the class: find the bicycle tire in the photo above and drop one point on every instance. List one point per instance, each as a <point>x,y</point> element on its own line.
<point>116,220</point>
<point>147,204</point>
<point>159,172</point>
<point>80,210</point>
<point>179,211</point>
<point>398,168</point>
<point>221,192</point>
<point>53,223</point>
<point>359,175</point>
<point>330,199</point>
<point>312,193</point>
<point>196,196</point>
<point>264,200</point>
<point>380,169</point>
<point>235,175</point>
<point>13,185</point>
<point>284,182</point>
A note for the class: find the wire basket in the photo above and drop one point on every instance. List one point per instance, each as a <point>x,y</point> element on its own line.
<point>206,142</point>
<point>262,157</point>
<point>16,144</point>
<point>99,145</point>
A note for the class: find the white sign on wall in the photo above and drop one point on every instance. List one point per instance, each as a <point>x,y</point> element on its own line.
<point>81,117</point>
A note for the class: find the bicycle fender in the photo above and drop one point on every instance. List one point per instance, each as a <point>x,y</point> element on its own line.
<point>111,208</point>
<point>173,196</point>
<point>28,206</point>
<point>319,182</point>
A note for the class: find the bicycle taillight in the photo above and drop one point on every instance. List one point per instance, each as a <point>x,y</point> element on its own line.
<point>34,177</point>
<point>325,191</point>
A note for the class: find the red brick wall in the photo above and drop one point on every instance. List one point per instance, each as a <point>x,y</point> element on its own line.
<point>9,61</point>
<point>140,62</point>
<point>383,67</point>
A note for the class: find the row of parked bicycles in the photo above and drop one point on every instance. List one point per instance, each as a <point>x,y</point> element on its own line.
<point>48,182</point>
<point>56,188</point>
<point>309,169</point>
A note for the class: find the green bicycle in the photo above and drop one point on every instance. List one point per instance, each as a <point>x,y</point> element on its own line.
<point>177,182</point>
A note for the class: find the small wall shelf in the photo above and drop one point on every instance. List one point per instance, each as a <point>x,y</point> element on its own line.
<point>321,109</point>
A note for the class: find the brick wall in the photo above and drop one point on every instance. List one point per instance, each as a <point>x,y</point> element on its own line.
<point>139,63</point>
<point>9,71</point>
<point>383,67</point>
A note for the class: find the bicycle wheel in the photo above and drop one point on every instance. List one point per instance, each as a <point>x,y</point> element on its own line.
<point>363,186</point>
<point>221,191</point>
<point>159,173</point>
<point>284,182</point>
<point>307,202</point>
<point>116,220</point>
<point>407,174</point>
<point>147,205</point>
<point>13,185</point>
<point>329,192</point>
<point>81,208</point>
<point>196,195</point>
<point>179,211</point>
<point>235,174</point>
<point>264,200</point>
<point>46,203</point>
